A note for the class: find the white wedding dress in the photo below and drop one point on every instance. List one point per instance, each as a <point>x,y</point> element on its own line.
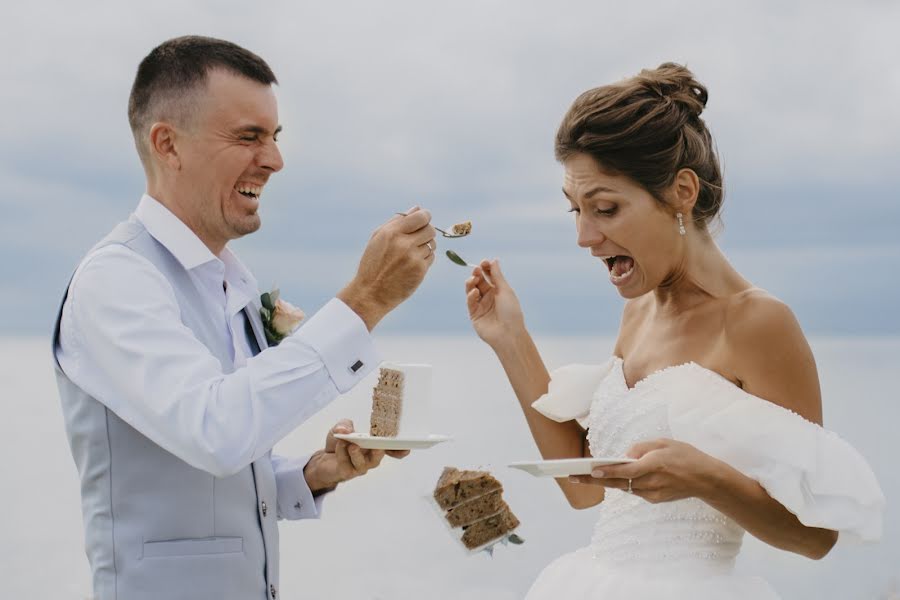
<point>687,549</point>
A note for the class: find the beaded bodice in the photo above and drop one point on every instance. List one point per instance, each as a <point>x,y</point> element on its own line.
<point>680,534</point>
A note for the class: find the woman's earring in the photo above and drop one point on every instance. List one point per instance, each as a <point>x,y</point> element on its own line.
<point>681,228</point>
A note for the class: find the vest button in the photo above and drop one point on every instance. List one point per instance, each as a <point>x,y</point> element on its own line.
<point>265,509</point>
<point>273,591</point>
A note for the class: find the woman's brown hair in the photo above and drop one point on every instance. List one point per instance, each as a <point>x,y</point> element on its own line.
<point>648,128</point>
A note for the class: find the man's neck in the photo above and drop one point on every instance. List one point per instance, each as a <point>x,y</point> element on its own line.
<point>171,200</point>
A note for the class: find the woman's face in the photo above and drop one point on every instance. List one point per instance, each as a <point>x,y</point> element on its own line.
<point>623,225</point>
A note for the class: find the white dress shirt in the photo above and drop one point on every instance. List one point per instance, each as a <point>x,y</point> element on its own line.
<point>122,341</point>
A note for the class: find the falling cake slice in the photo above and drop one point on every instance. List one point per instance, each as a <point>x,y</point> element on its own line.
<point>473,501</point>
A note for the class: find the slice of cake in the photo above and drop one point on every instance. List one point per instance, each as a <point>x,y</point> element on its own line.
<point>400,401</point>
<point>461,229</point>
<point>473,501</point>
<point>490,528</point>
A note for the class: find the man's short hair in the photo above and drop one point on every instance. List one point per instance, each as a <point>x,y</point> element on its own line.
<point>168,78</point>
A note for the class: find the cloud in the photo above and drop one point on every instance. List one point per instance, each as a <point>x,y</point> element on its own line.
<point>454,107</point>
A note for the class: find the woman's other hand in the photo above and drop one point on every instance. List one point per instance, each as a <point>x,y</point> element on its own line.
<point>493,306</point>
<point>665,470</point>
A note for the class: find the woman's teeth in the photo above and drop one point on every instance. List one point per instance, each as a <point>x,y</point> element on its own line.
<point>620,268</point>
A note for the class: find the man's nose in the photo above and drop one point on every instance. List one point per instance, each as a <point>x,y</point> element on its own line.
<point>270,157</point>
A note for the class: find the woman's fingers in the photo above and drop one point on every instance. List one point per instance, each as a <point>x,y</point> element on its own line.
<point>477,303</point>
<point>482,281</point>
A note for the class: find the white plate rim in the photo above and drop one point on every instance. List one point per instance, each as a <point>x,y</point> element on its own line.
<point>567,466</point>
<point>364,440</point>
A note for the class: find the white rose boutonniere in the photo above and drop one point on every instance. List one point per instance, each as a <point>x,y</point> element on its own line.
<point>280,319</point>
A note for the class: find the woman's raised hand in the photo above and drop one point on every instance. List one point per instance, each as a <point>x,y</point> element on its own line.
<point>493,306</point>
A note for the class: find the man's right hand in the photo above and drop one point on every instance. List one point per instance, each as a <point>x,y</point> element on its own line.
<point>393,265</point>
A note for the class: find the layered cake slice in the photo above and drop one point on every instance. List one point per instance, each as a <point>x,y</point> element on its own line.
<point>473,501</point>
<point>400,401</point>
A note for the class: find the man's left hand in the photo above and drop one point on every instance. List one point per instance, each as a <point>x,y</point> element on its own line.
<point>341,461</point>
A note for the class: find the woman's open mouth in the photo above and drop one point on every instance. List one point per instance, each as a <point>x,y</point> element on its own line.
<point>621,268</point>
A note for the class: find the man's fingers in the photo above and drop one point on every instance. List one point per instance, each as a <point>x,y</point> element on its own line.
<point>357,458</point>
<point>343,426</point>
<point>397,453</point>
<point>423,236</point>
<point>341,452</point>
<point>414,221</point>
<point>374,458</point>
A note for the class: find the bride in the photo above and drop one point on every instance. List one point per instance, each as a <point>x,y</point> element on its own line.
<point>712,386</point>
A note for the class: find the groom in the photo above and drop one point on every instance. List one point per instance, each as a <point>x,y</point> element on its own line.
<point>171,398</point>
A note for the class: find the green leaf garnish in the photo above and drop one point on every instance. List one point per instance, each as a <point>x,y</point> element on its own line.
<point>514,539</point>
<point>455,258</point>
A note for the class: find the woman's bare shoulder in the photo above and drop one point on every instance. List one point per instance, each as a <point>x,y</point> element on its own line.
<point>769,353</point>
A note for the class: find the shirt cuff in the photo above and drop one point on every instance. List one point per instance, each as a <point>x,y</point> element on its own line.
<point>343,341</point>
<point>294,498</point>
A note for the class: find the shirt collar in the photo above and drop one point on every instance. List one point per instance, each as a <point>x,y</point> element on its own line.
<point>186,247</point>
<point>171,232</point>
<point>237,274</point>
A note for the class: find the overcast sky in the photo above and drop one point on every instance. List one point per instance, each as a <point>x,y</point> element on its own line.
<point>454,105</point>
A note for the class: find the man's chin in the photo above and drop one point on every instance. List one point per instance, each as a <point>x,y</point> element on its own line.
<point>247,226</point>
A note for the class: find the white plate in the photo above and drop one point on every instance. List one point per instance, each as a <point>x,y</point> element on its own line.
<point>564,467</point>
<point>370,442</point>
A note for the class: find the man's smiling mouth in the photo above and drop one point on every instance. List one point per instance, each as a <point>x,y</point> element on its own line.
<point>250,191</point>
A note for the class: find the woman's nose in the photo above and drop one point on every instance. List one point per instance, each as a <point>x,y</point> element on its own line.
<point>589,236</point>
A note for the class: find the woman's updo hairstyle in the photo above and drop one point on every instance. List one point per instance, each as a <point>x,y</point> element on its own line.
<point>647,128</point>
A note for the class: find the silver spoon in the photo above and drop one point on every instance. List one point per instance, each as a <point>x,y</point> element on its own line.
<point>444,233</point>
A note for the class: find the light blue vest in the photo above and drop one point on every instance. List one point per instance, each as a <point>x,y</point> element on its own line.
<point>156,528</point>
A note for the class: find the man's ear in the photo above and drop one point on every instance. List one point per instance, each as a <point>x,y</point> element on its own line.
<point>686,188</point>
<point>163,147</point>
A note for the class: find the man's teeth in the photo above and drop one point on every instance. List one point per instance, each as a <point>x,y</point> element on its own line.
<point>254,190</point>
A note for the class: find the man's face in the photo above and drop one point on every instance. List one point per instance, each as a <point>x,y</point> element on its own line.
<point>227,155</point>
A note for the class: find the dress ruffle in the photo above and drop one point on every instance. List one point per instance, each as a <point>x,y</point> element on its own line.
<point>571,392</point>
<point>810,470</point>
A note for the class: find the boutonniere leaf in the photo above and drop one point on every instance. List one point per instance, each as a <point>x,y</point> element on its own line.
<point>280,319</point>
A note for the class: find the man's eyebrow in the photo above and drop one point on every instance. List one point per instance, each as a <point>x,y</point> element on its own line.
<point>256,129</point>
<point>592,192</point>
